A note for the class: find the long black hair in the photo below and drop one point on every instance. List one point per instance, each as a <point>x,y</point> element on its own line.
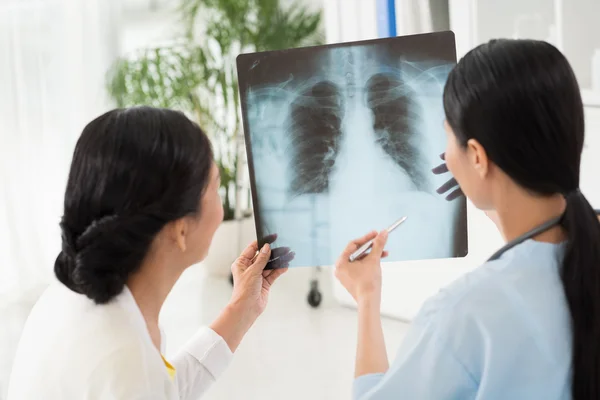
<point>520,99</point>
<point>133,171</point>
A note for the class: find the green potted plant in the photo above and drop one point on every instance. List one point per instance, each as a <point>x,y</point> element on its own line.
<point>196,73</point>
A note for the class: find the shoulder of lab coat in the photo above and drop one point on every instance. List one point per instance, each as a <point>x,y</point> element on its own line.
<point>197,366</point>
<point>72,348</point>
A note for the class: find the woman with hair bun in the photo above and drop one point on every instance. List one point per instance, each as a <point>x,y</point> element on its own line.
<point>141,206</point>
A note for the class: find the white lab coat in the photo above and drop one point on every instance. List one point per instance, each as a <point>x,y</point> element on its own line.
<point>73,349</point>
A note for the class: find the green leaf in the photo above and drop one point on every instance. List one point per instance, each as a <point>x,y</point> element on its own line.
<point>200,77</point>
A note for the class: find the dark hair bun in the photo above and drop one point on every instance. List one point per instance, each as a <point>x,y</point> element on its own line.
<point>133,171</point>
<point>105,255</point>
<point>63,269</point>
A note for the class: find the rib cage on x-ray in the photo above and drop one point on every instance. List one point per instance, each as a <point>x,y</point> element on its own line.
<point>395,114</point>
<point>342,140</point>
<point>315,127</point>
<point>315,121</point>
<point>314,113</point>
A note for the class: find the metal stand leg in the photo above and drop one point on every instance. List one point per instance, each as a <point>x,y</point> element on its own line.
<point>314,295</point>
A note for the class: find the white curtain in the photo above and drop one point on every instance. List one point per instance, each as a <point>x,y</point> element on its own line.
<point>53,59</point>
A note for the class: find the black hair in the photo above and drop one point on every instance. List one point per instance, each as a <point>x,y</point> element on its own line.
<point>133,171</point>
<point>520,99</point>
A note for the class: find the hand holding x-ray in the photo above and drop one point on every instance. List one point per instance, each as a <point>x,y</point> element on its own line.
<point>452,184</point>
<point>280,256</point>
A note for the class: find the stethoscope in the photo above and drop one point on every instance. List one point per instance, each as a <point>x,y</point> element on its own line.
<point>528,235</point>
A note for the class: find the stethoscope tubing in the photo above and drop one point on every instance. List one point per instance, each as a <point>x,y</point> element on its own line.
<point>529,235</point>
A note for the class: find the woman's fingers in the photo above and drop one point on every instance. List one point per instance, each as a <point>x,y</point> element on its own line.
<point>270,238</point>
<point>440,169</point>
<point>250,251</point>
<point>280,251</point>
<point>384,254</point>
<point>356,243</point>
<point>379,243</point>
<point>272,275</point>
<point>362,240</point>
<point>287,257</point>
<point>447,186</point>
<point>261,259</point>
<point>451,184</point>
<point>280,257</point>
<point>454,195</point>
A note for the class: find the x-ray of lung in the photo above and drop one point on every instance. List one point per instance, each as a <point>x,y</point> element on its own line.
<point>341,139</point>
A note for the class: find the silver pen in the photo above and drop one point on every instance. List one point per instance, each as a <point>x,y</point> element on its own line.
<point>363,249</point>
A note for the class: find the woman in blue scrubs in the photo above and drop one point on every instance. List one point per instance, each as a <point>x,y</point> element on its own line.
<point>526,325</point>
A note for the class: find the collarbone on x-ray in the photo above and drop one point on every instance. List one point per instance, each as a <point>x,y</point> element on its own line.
<point>345,144</point>
<point>314,120</point>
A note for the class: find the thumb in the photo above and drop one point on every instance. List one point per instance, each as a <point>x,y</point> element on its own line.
<point>261,259</point>
<point>379,243</point>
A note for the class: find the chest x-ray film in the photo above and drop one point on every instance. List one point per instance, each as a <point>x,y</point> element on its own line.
<point>342,139</point>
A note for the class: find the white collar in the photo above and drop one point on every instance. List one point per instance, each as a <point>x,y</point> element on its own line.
<point>126,300</point>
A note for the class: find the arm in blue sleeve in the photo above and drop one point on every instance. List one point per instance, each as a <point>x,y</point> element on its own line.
<point>363,384</point>
<point>425,368</point>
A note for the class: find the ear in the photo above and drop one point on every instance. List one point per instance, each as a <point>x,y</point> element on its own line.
<point>180,230</point>
<point>478,157</point>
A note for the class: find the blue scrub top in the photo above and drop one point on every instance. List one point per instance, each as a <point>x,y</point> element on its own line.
<point>501,331</point>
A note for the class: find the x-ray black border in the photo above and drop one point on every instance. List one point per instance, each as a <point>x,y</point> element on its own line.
<point>245,60</point>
